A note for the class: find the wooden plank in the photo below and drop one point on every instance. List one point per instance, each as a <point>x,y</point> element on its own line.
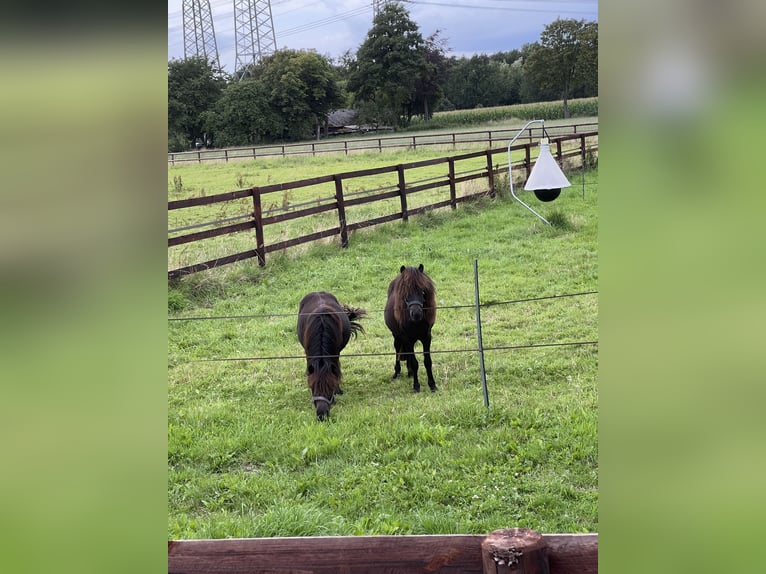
<point>296,184</point>
<point>374,221</point>
<point>365,172</point>
<point>271,220</point>
<point>454,554</point>
<point>175,273</point>
<point>572,553</point>
<point>433,185</point>
<point>449,554</point>
<point>199,235</point>
<point>302,239</point>
<point>210,199</point>
<point>371,198</point>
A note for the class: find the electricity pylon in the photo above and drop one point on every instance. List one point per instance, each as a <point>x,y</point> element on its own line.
<point>253,33</point>
<point>199,35</point>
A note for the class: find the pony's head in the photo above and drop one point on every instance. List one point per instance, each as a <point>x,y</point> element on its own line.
<point>414,295</point>
<point>324,381</point>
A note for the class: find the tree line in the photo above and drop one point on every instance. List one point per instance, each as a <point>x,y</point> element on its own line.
<point>395,75</point>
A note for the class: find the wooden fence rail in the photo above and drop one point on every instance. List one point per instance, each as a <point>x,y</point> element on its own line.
<point>414,554</point>
<point>495,162</point>
<point>489,137</point>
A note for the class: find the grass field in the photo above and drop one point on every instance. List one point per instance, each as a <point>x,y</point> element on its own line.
<point>247,457</point>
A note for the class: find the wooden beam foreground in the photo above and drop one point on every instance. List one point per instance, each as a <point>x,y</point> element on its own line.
<point>449,554</point>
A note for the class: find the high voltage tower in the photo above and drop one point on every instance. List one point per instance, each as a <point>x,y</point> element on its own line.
<point>253,32</point>
<point>199,35</point>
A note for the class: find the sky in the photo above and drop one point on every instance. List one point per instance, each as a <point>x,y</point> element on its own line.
<point>332,28</point>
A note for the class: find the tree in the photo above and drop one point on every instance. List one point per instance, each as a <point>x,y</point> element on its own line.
<point>302,89</point>
<point>482,80</point>
<point>428,88</point>
<point>389,64</point>
<point>565,58</point>
<point>194,85</point>
<point>242,115</point>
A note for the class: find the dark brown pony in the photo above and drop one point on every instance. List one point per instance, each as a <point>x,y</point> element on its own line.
<point>324,328</point>
<point>409,314</point>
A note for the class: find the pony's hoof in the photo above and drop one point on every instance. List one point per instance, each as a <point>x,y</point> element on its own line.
<point>416,390</point>
<point>396,376</point>
<point>433,389</point>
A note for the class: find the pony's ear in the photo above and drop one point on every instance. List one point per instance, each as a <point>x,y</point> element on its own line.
<point>401,269</point>
<point>420,267</point>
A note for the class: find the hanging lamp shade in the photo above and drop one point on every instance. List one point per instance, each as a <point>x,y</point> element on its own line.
<point>546,179</point>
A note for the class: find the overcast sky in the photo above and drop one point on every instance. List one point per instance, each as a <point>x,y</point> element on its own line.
<point>331,28</point>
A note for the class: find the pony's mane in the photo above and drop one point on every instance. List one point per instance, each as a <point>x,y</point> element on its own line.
<point>324,381</point>
<point>409,280</point>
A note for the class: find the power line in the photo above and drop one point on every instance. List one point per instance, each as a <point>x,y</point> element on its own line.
<point>500,8</point>
<point>488,304</point>
<point>388,354</point>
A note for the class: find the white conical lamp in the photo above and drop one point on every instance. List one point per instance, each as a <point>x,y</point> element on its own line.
<point>546,179</point>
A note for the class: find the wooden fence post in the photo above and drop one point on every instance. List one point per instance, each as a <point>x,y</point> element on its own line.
<point>514,551</point>
<point>452,191</point>
<point>528,158</point>
<point>341,210</point>
<point>402,192</point>
<point>258,215</point>
<point>490,174</point>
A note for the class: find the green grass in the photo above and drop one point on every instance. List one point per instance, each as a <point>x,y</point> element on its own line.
<point>247,457</point>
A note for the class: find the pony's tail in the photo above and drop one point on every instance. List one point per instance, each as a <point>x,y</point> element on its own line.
<point>354,316</point>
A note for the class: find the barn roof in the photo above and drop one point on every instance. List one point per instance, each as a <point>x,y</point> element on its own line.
<point>342,117</point>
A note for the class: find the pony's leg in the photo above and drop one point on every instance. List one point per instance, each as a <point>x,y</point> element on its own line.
<point>427,363</point>
<point>412,367</point>
<point>397,366</point>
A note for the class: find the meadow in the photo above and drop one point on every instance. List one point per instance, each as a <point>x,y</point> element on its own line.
<point>246,455</point>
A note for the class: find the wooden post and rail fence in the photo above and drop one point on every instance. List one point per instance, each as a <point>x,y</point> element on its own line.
<point>453,140</point>
<point>495,162</point>
<point>506,551</point>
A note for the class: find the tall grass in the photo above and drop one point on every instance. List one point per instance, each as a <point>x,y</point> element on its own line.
<point>542,110</point>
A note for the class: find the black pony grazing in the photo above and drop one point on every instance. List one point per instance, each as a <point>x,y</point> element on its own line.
<point>410,313</point>
<point>324,328</point>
